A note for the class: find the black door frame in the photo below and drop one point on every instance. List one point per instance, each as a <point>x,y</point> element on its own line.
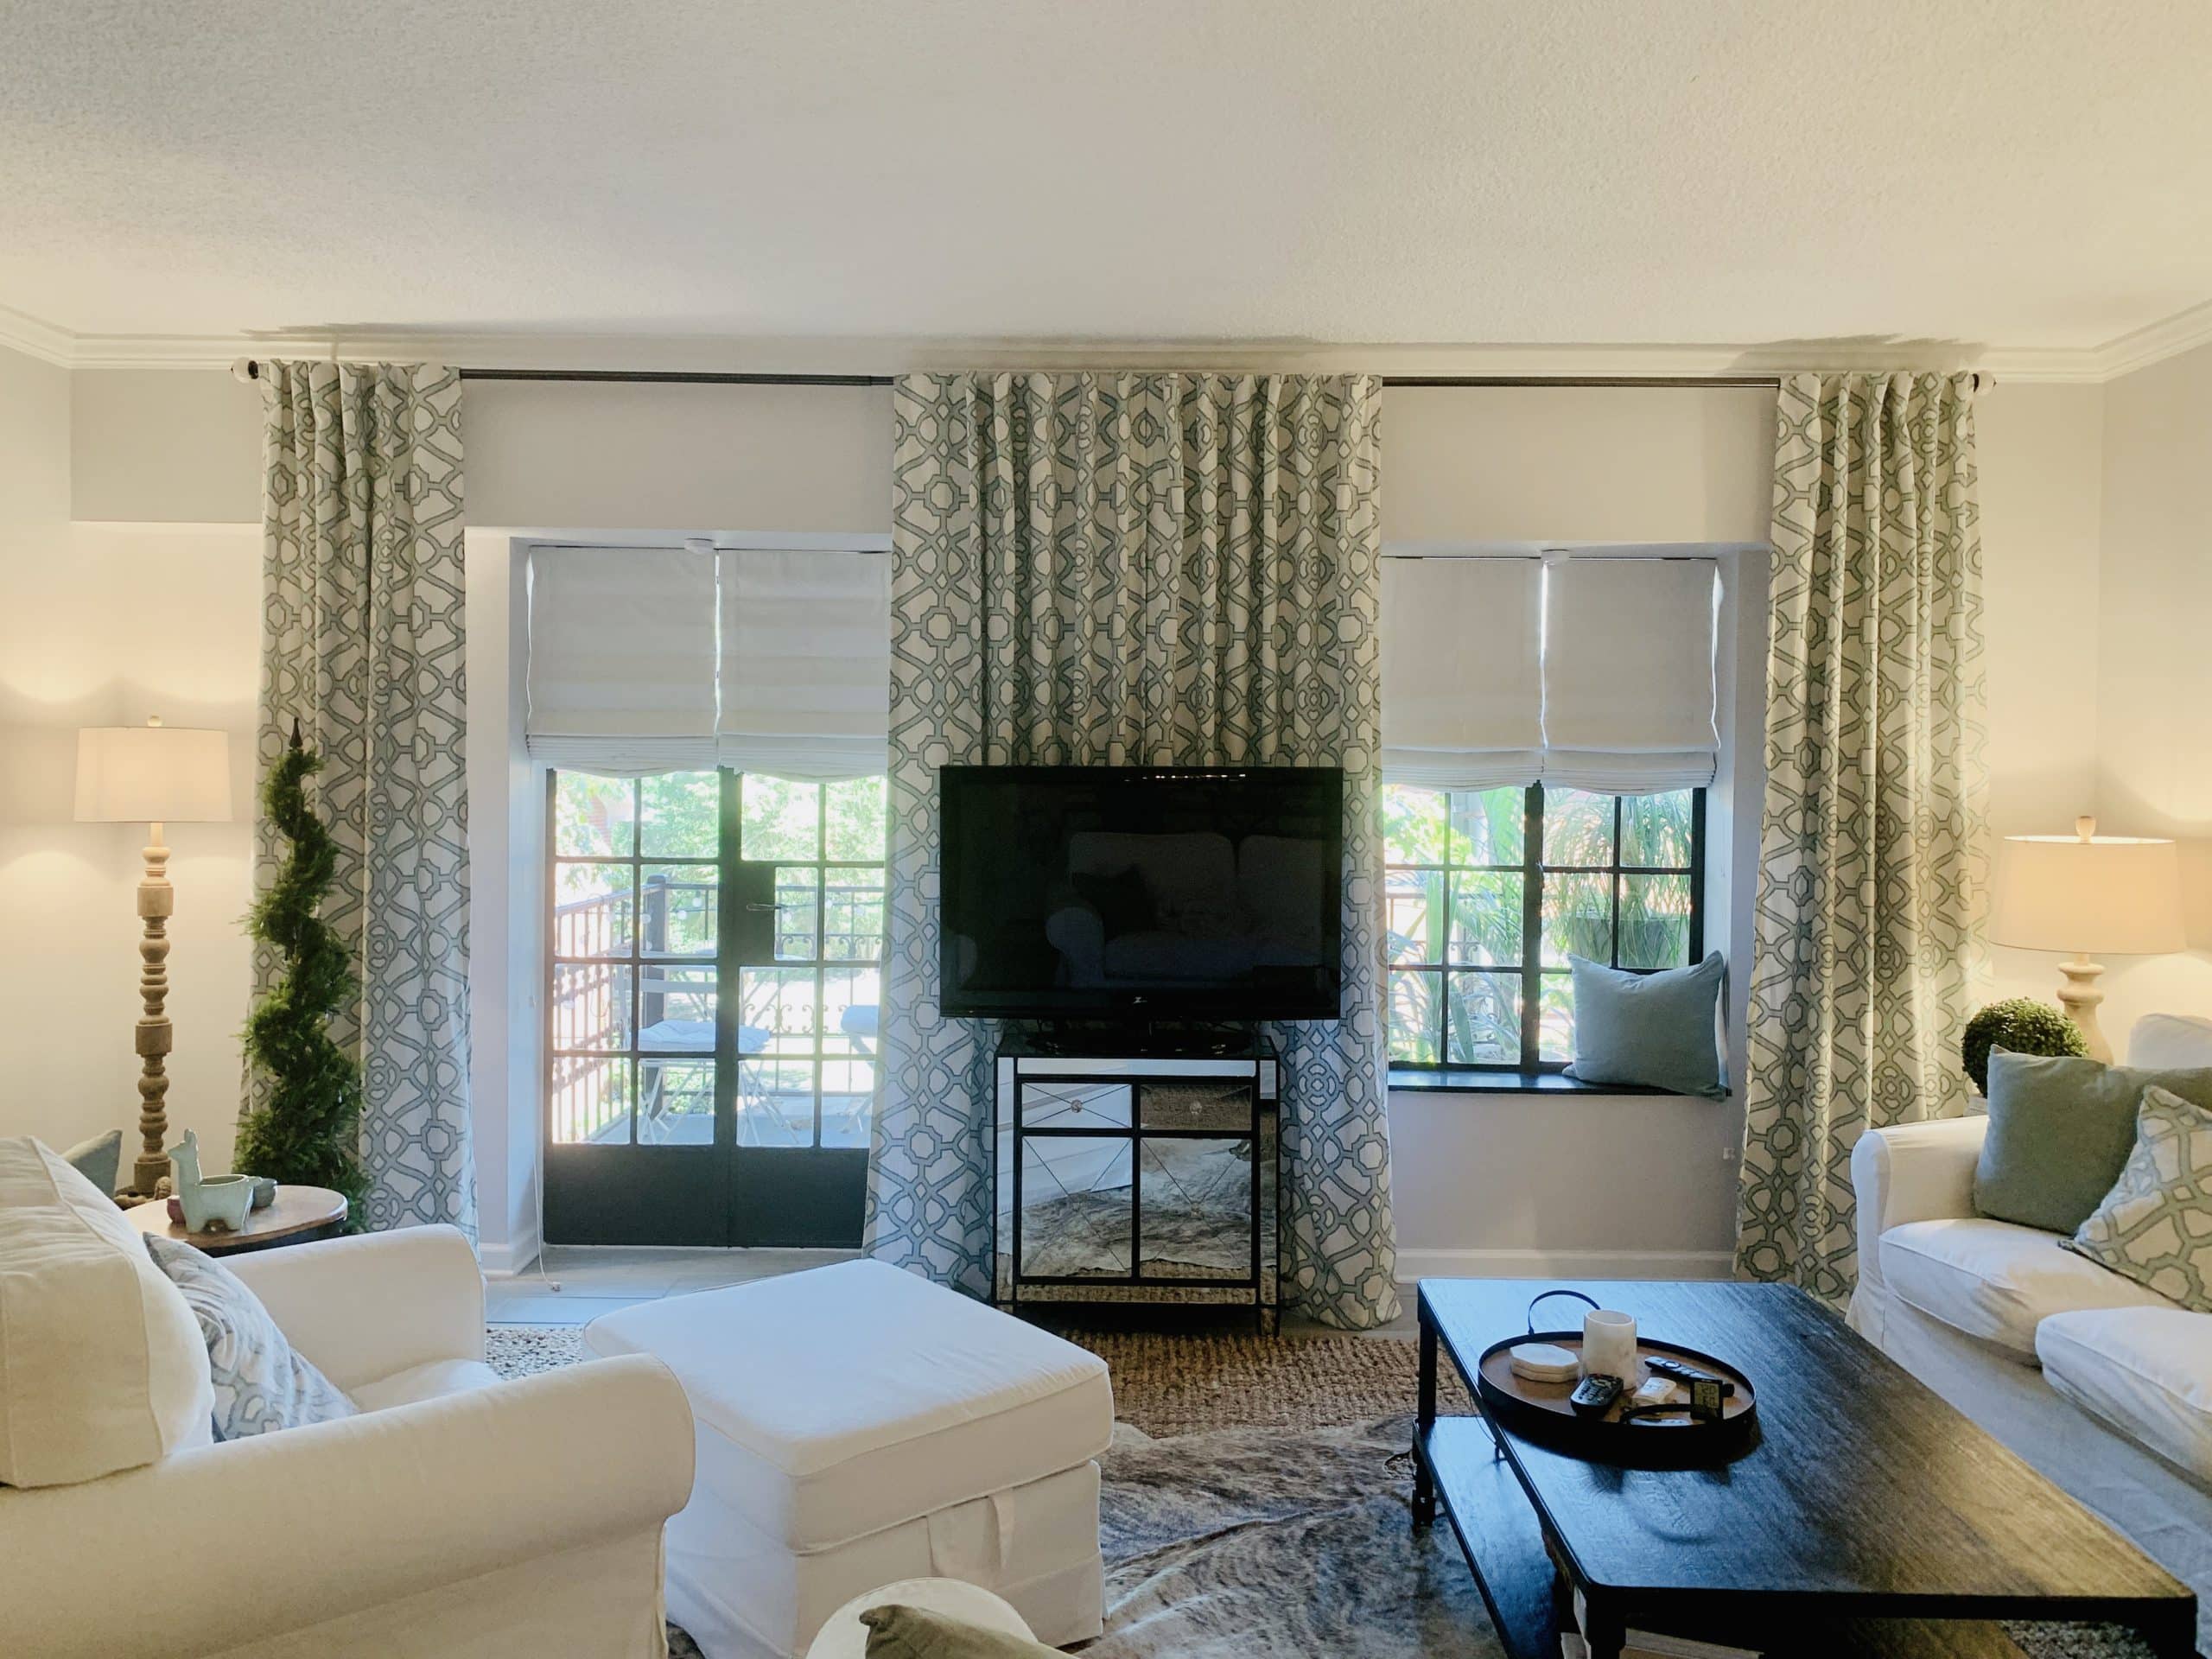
<point>722,1193</point>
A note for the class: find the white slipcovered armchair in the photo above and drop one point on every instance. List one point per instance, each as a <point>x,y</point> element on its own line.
<point>457,1515</point>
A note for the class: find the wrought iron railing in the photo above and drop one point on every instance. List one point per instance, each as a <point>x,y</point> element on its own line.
<point>590,1092</point>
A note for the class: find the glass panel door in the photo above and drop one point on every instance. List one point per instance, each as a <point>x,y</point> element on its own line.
<point>713,990</point>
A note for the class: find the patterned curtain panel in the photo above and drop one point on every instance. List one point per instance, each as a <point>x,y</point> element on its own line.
<point>1142,569</point>
<point>361,598</point>
<point>1871,872</point>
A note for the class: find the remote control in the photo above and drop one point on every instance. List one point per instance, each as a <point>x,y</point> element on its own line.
<point>1594,1395</point>
<point>1686,1375</point>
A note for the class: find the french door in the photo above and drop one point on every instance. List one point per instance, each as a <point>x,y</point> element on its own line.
<point>714,971</point>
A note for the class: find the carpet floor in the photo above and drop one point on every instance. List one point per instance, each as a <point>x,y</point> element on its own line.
<point>1256,1504</point>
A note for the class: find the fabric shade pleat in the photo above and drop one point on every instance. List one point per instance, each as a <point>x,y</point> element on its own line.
<point>1462,687</point>
<point>645,660</point>
<point>1628,674</point>
<point>622,656</point>
<point>805,663</point>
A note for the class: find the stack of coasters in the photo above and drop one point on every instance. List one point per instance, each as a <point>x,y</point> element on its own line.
<point>1545,1362</point>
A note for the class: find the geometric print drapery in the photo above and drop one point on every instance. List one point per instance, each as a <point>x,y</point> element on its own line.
<point>1868,916</point>
<point>362,643</point>
<point>1172,569</point>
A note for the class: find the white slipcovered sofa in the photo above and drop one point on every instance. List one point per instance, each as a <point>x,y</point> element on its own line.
<point>458,1515</point>
<point>2103,1385</point>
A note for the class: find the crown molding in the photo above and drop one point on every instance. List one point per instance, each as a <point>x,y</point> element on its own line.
<point>2183,331</point>
<point>2061,365</point>
<point>21,331</point>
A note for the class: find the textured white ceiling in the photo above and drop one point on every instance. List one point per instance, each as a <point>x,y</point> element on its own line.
<point>2023,173</point>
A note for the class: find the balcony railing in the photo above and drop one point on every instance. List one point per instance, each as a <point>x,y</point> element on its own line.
<point>588,1092</point>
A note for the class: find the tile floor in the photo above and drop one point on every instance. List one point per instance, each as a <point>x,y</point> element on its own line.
<point>595,1280</point>
<point>598,1279</point>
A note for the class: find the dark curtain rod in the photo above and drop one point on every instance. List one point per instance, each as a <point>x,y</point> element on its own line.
<point>687,378</point>
<point>703,377</point>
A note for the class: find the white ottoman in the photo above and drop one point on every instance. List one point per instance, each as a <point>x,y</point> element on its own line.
<point>858,1424</point>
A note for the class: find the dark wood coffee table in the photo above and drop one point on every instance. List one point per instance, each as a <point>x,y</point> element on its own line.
<point>1871,1517</point>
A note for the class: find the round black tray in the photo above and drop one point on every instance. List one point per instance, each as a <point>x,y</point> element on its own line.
<point>1540,1412</point>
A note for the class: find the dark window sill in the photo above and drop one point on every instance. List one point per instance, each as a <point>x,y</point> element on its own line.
<point>1483,1081</point>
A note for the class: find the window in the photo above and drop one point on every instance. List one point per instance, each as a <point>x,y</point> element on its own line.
<point>1490,891</point>
<point>644,950</point>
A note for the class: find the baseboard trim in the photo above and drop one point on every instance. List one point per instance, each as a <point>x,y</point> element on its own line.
<point>508,1261</point>
<point>1414,1265</point>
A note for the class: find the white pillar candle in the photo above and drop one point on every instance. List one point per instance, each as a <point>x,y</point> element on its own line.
<point>1609,1346</point>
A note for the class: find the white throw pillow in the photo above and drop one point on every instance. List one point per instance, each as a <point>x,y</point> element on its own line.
<point>101,1364</point>
<point>261,1383</point>
<point>2155,1226</point>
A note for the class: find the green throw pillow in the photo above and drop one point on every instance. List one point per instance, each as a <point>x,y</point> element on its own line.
<point>2060,1130</point>
<point>99,1159</point>
<point>1654,1029</point>
<point>2155,1226</point>
<point>900,1632</point>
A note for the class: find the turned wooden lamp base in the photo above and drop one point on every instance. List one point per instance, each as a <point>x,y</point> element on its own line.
<point>155,775</point>
<point>156,904</point>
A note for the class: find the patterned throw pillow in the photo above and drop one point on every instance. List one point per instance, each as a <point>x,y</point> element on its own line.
<point>261,1385</point>
<point>2155,1226</point>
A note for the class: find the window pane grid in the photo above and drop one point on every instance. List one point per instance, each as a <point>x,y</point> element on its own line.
<point>808,1069</point>
<point>1456,987</point>
<point>636,968</point>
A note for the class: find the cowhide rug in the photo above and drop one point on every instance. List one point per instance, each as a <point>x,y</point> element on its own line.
<point>1255,1544</point>
<point>1280,1543</point>
<point>1250,1543</point>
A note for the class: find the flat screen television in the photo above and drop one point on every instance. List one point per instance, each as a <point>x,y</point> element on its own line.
<point>1141,893</point>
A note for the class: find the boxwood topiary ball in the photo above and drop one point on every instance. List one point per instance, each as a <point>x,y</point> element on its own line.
<point>2019,1025</point>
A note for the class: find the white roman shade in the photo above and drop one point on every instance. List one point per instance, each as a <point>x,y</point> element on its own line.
<point>1628,674</point>
<point>622,656</point>
<point>805,663</point>
<point>1462,690</point>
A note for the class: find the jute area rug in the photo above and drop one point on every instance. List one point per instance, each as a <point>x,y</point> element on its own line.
<point>1257,1505</point>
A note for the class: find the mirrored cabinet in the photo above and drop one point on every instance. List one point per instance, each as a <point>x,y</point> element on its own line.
<point>1125,1179</point>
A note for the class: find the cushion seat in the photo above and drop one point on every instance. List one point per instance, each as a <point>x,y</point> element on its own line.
<point>2146,1371</point>
<point>1998,1282</point>
<point>837,1402</point>
<point>440,1376</point>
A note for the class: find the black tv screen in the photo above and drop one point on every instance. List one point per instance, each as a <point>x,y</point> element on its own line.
<point>1141,893</point>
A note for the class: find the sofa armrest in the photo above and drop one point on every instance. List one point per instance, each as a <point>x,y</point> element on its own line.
<point>233,1543</point>
<point>1912,1171</point>
<point>362,1308</point>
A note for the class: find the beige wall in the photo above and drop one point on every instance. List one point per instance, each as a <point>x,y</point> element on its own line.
<point>1484,1180</point>
<point>2041,486</point>
<point>2154,669</point>
<point>104,624</point>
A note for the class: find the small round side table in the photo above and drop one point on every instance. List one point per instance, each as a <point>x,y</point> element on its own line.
<point>299,1213</point>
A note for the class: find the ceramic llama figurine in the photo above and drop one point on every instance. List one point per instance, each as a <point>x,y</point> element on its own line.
<point>209,1202</point>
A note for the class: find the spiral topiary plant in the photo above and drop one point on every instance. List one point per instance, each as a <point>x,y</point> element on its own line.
<point>307,1128</point>
<point>2019,1025</point>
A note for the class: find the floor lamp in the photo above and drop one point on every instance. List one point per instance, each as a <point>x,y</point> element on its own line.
<point>153,774</point>
<point>2116,895</point>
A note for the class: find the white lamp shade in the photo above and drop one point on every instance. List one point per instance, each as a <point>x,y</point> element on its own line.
<point>2114,895</point>
<point>153,774</point>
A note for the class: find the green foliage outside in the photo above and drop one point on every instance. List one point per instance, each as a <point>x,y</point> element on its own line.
<point>679,814</point>
<point>2019,1025</point>
<point>1460,915</point>
<point>306,1129</point>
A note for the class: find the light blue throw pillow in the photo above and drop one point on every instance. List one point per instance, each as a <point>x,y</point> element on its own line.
<point>1654,1029</point>
<point>99,1159</point>
<point>261,1385</point>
